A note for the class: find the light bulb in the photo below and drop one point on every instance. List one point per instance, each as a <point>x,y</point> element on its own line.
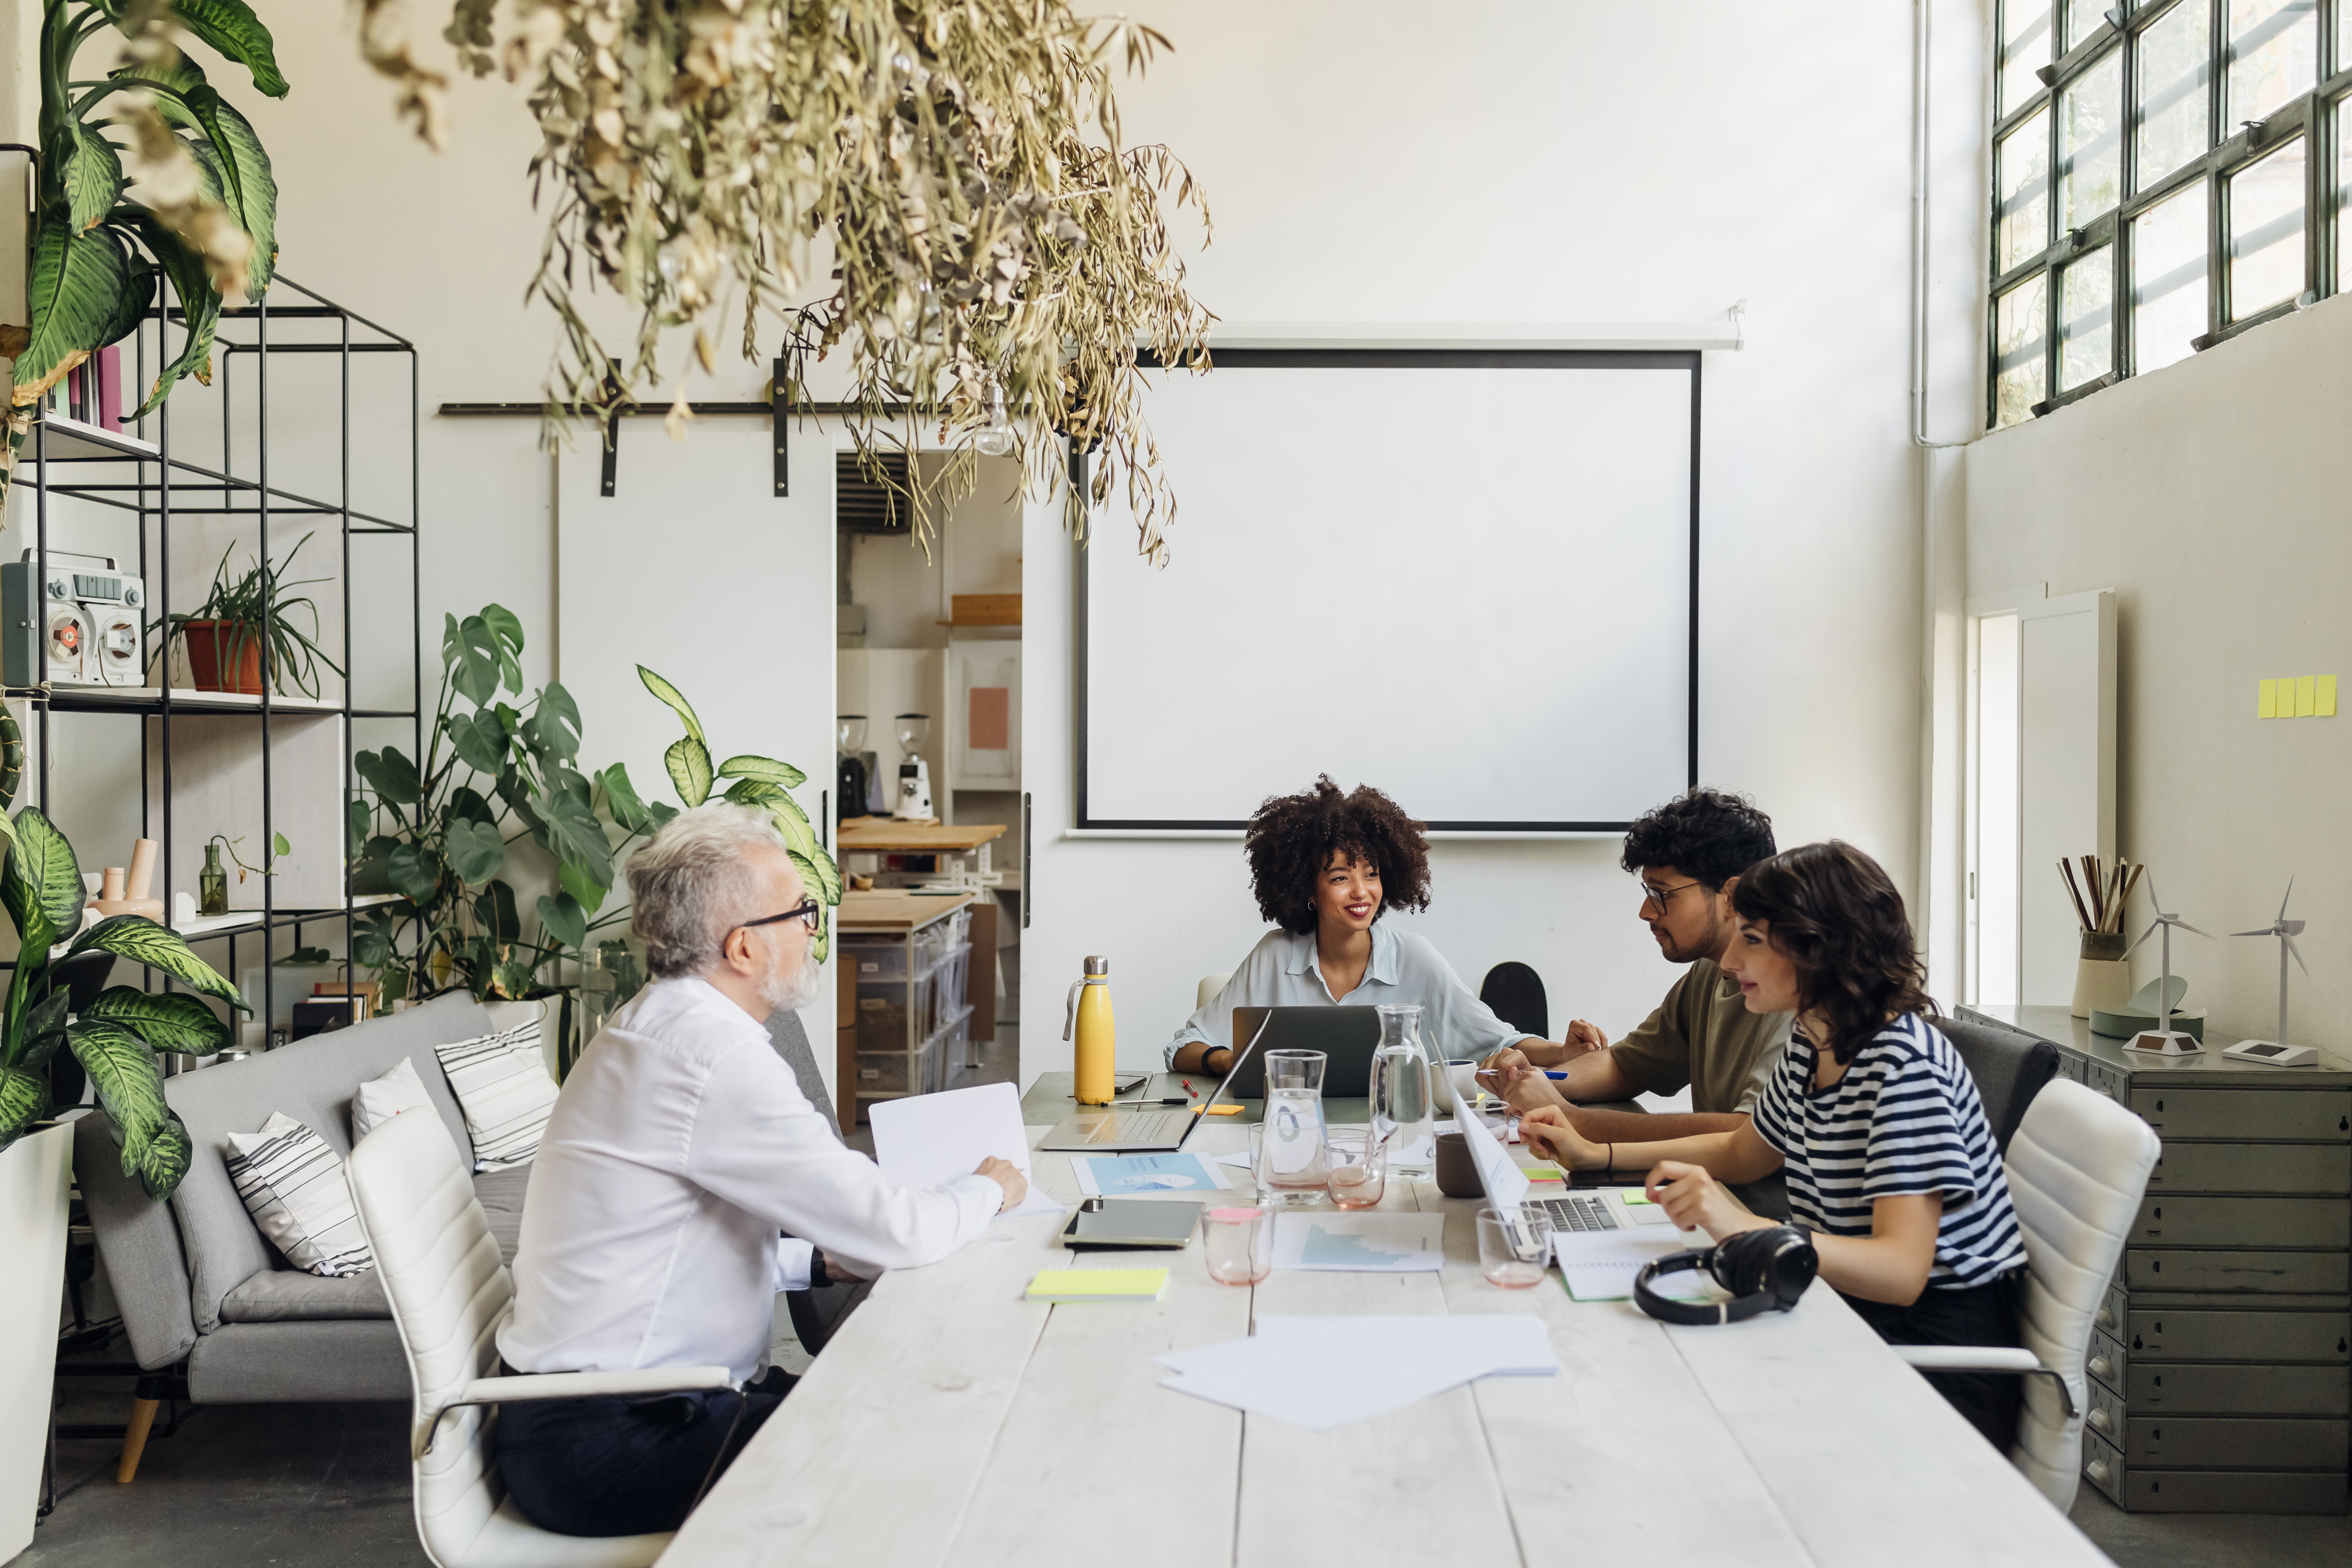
<point>996,439</point>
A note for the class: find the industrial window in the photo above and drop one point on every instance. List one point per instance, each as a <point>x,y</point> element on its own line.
<point>2166,174</point>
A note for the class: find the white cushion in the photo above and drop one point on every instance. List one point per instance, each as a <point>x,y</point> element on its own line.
<point>502,1085</point>
<point>292,1185</point>
<point>380,1100</point>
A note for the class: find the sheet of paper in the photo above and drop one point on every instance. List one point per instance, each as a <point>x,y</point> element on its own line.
<point>1600,1266</point>
<point>1334,1241</point>
<point>927,1139</point>
<point>1322,1372</point>
<point>1506,1188</point>
<point>1130,1175</point>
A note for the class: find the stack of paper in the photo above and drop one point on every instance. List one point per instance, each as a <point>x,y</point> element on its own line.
<point>1600,1266</point>
<point>1322,1372</point>
<point>927,1139</point>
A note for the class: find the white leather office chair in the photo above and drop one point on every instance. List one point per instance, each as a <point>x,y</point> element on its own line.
<point>1210,985</point>
<point>2078,1167</point>
<point>450,1294</point>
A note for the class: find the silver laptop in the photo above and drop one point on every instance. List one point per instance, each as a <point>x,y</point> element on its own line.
<point>1154,1129</point>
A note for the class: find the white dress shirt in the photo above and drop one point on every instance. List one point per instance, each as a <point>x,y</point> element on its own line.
<point>677,1151</point>
<point>1284,971</point>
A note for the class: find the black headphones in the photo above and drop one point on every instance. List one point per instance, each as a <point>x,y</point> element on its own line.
<point>1765,1270</point>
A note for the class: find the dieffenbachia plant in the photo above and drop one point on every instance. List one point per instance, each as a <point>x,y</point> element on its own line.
<point>761,782</point>
<point>117,1036</point>
<point>205,220</point>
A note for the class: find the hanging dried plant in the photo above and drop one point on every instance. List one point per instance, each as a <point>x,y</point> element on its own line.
<point>957,162</point>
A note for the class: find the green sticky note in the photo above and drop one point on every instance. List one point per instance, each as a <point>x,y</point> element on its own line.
<point>1542,1173</point>
<point>2307,695</point>
<point>1635,1196</point>
<point>2326,698</point>
<point>2266,704</point>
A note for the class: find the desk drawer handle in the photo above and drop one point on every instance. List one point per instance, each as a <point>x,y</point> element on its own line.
<point>2099,1421</point>
<point>2106,1318</point>
<point>2101,1367</point>
<point>2096,1470</point>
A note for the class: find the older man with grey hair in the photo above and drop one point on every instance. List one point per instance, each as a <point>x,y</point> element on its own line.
<point>679,1150</point>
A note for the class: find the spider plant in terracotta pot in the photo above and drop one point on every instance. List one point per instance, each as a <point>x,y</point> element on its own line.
<point>225,637</point>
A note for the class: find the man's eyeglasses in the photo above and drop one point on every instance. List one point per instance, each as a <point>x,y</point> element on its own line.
<point>1660,897</point>
<point>808,912</point>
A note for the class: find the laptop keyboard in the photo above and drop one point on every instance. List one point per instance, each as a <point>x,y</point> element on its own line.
<point>1139,1127</point>
<point>1577,1212</point>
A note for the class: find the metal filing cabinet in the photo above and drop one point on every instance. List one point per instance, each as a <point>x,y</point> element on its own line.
<point>2220,1364</point>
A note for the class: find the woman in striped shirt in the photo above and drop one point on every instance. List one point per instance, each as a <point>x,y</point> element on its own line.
<point>1890,1163</point>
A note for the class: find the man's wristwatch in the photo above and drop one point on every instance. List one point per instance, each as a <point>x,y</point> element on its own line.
<point>818,1278</point>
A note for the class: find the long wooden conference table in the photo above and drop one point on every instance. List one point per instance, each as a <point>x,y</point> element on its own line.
<point>952,1422</point>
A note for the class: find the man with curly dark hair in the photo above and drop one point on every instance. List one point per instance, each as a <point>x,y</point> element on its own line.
<point>1687,855</point>
<point>1325,865</point>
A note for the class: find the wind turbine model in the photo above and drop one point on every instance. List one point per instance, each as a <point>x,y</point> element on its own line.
<point>2164,1040</point>
<point>2286,930</point>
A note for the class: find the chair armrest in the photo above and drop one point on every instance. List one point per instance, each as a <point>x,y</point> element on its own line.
<point>569,1386</point>
<point>1986,1358</point>
<point>139,1241</point>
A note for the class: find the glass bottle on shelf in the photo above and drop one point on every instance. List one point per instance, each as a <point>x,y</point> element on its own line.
<point>212,883</point>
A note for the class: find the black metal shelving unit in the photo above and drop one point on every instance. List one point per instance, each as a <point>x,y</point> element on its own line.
<point>137,470</point>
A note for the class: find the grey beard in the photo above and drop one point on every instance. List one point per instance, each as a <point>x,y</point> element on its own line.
<point>784,994</point>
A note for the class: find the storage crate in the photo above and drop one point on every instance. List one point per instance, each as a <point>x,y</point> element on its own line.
<point>880,957</point>
<point>885,1008</point>
<point>889,1074</point>
<point>947,988</point>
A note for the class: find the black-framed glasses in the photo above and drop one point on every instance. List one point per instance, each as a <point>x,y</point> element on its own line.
<point>807,912</point>
<point>1660,897</point>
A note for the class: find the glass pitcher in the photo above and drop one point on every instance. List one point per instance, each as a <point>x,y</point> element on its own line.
<point>1403,1108</point>
<point>1291,1170</point>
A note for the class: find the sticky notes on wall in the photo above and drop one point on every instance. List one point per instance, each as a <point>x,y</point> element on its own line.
<point>2296,696</point>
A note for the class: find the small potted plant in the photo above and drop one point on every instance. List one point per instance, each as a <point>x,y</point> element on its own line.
<point>225,635</point>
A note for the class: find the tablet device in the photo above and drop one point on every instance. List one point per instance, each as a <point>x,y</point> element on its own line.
<point>1102,1225</point>
<point>1346,1036</point>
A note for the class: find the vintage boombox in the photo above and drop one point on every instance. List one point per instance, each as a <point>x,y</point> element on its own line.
<point>91,617</point>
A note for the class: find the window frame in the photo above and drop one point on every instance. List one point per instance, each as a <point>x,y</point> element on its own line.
<point>2314,115</point>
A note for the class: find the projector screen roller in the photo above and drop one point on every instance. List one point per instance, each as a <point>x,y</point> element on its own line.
<point>1469,579</point>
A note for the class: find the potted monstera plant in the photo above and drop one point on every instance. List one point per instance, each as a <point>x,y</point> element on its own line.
<point>113,1037</point>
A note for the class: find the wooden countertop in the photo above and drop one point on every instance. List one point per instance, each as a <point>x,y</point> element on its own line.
<point>895,908</point>
<point>873,834</point>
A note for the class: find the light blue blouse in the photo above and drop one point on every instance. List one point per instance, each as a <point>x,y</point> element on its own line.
<point>1282,971</point>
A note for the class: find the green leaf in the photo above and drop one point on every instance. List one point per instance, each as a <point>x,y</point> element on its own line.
<point>662,812</point>
<point>372,943</point>
<point>357,820</point>
<point>237,34</point>
<point>412,874</point>
<point>192,284</point>
<point>480,740</point>
<point>677,700</point>
<point>620,796</point>
<point>495,912</point>
<point>564,920</point>
<point>24,1100</point>
<point>474,673</point>
<point>129,1084</point>
<point>755,792</point>
<point>92,173</point>
<point>577,835</point>
<point>475,852</point>
<point>585,890</point>
<point>688,761</point>
<point>505,626</point>
<point>558,721</point>
<point>48,1017</point>
<point>768,768</point>
<point>824,942</point>
<point>138,295</point>
<point>72,289</point>
<point>390,773</point>
<point>819,875</point>
<point>43,879</point>
<point>798,834</point>
<point>142,941</point>
<point>166,1020</point>
<point>230,154</point>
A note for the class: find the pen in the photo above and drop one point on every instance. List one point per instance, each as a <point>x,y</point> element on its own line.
<point>1189,1091</point>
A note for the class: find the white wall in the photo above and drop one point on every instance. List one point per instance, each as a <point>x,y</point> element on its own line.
<point>2209,494</point>
<point>1537,163</point>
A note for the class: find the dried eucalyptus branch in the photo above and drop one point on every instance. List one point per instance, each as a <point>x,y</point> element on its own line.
<point>961,160</point>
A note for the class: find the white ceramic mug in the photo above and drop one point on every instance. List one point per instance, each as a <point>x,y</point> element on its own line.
<point>1463,1074</point>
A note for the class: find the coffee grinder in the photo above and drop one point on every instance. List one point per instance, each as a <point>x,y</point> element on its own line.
<point>914,773</point>
<point>849,777</point>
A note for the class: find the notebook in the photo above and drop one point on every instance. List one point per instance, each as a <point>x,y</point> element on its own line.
<point>1098,1285</point>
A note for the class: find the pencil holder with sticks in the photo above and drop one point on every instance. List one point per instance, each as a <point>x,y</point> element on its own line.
<point>2102,973</point>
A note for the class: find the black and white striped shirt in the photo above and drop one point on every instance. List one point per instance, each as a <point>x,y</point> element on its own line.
<point>1904,1120</point>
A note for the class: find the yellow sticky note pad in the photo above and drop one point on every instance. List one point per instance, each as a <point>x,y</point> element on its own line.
<point>2266,704</point>
<point>1097,1285</point>
<point>2326,699</point>
<point>2307,695</point>
<point>1226,1108</point>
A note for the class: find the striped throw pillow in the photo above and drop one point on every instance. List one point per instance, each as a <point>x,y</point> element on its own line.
<point>292,1185</point>
<point>502,1085</point>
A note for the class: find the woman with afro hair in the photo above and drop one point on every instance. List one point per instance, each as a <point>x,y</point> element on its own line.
<point>1325,865</point>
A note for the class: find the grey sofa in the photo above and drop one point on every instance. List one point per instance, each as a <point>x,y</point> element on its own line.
<point>197,1285</point>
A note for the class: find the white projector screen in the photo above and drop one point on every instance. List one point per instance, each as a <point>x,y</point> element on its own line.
<point>1466,578</point>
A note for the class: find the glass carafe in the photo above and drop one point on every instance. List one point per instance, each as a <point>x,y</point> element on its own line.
<point>1291,1170</point>
<point>1402,1108</point>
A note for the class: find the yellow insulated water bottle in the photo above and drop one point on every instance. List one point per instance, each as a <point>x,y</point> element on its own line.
<point>1096,1043</point>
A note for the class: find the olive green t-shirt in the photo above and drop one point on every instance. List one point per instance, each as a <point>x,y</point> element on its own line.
<point>1704,1036</point>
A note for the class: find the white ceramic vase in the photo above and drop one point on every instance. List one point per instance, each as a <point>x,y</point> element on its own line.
<point>36,1176</point>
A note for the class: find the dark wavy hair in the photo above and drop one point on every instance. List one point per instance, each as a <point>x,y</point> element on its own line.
<point>1291,837</point>
<point>1833,913</point>
<point>1705,833</point>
